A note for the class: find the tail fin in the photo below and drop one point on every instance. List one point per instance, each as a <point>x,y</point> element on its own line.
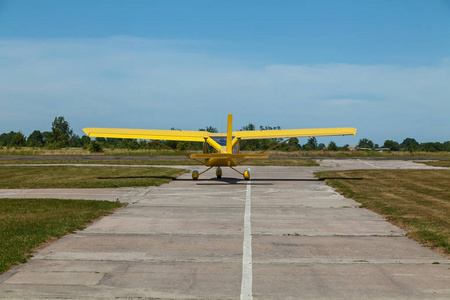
<point>230,133</point>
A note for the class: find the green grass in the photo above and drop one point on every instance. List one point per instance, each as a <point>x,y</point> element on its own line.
<point>415,200</point>
<point>436,163</point>
<point>149,162</point>
<point>84,152</point>
<point>27,223</point>
<point>84,176</point>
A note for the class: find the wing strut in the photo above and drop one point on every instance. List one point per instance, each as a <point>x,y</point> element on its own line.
<point>159,143</point>
<point>268,149</point>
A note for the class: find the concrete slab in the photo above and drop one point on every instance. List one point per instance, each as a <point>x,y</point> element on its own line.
<point>146,225</point>
<point>129,195</point>
<point>55,278</point>
<point>314,227</point>
<point>340,249</point>
<point>350,281</point>
<point>141,280</point>
<point>185,240</point>
<point>155,247</point>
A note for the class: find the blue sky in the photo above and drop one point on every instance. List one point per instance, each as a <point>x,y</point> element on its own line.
<point>380,66</point>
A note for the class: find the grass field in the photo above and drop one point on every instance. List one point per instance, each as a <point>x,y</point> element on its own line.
<point>187,162</point>
<point>282,162</point>
<point>27,223</point>
<point>84,177</point>
<point>415,200</point>
<point>80,151</point>
<point>360,154</point>
<point>149,162</point>
<point>272,153</point>
<point>436,163</point>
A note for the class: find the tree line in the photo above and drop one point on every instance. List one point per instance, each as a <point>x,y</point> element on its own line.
<point>62,136</point>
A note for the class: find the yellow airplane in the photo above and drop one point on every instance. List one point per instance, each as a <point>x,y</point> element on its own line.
<point>224,147</point>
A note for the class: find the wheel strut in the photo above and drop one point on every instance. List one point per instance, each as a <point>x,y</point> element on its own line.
<point>246,173</point>
<point>196,174</point>
<point>219,172</point>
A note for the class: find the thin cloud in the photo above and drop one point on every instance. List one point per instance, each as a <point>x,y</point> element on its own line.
<point>343,102</point>
<point>141,83</point>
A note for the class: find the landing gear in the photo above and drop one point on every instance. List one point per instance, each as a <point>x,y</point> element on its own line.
<point>196,174</point>
<point>219,173</point>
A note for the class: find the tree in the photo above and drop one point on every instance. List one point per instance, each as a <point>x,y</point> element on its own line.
<point>75,141</point>
<point>182,145</point>
<point>85,141</point>
<point>130,144</point>
<point>6,138</point>
<point>365,143</point>
<point>432,147</point>
<point>211,129</point>
<point>46,137</point>
<point>332,146</point>
<point>95,147</point>
<point>391,145</point>
<point>36,139</point>
<point>293,145</point>
<point>250,126</point>
<point>61,133</point>
<point>344,148</point>
<point>446,146</point>
<point>409,144</point>
<point>18,140</point>
<point>312,143</point>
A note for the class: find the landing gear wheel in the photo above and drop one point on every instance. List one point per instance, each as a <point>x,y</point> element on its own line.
<point>195,175</point>
<point>219,173</point>
<point>247,175</point>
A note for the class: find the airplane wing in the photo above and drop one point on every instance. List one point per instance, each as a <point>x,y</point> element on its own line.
<point>289,133</point>
<point>168,135</point>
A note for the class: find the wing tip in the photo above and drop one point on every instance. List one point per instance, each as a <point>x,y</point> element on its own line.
<point>87,131</point>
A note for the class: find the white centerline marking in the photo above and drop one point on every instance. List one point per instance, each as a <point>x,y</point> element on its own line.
<point>372,165</point>
<point>247,273</point>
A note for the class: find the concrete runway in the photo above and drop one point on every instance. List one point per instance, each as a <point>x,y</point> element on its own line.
<point>281,235</point>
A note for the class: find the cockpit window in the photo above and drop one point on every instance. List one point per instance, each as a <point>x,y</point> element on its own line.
<point>222,141</point>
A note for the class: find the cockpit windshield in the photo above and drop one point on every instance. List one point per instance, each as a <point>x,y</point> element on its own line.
<point>222,141</point>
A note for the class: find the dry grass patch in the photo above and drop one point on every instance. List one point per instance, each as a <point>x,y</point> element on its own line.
<point>84,176</point>
<point>436,163</point>
<point>147,162</point>
<point>156,161</point>
<point>272,153</point>
<point>415,200</point>
<point>85,152</point>
<point>369,154</point>
<point>281,162</point>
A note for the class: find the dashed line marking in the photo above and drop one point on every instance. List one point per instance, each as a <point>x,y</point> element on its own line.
<point>372,165</point>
